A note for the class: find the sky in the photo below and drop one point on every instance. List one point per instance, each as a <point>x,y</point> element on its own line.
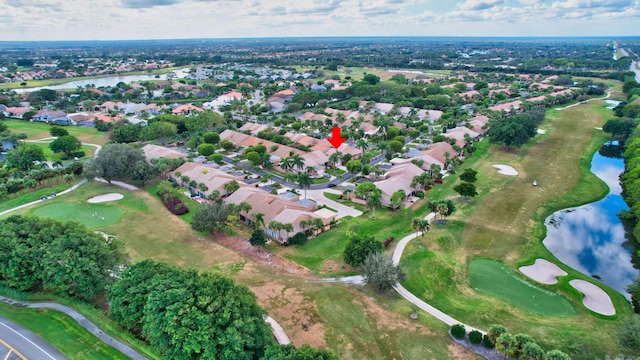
<point>173,19</point>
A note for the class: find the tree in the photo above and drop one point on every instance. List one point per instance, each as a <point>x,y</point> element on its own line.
<point>378,270</point>
<point>371,79</point>
<point>244,207</point>
<point>275,227</point>
<point>114,161</point>
<point>206,149</point>
<point>142,172</point>
<point>475,337</point>
<point>466,189</point>
<point>421,225</point>
<point>253,156</point>
<point>258,220</point>
<point>531,351</point>
<point>495,331</point>
<point>226,144</point>
<point>619,126</point>
<point>634,290</point>
<point>231,187</point>
<point>257,238</point>
<point>397,199</point>
<point>297,162</point>
<point>374,201</point>
<point>305,181</point>
<point>186,315</point>
<point>354,166</point>
<point>506,344</point>
<point>60,257</point>
<point>159,130</point>
<point>23,156</point>
<point>210,217</point>
<point>359,247</point>
<point>211,137</point>
<point>66,144</point>
<point>395,146</point>
<point>289,352</point>
<point>629,336</point>
<point>469,175</point>
<point>125,133</point>
<point>512,131</point>
<point>58,131</point>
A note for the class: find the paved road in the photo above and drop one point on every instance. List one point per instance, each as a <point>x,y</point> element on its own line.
<point>83,321</point>
<point>397,254</point>
<point>30,345</point>
<point>576,104</point>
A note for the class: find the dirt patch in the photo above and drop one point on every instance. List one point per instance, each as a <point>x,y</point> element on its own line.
<point>460,353</point>
<point>296,313</point>
<point>260,255</point>
<point>390,320</point>
<point>332,267</point>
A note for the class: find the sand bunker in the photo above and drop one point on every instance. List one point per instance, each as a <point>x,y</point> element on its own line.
<point>106,198</point>
<point>541,131</point>
<point>506,170</point>
<point>595,299</point>
<point>543,271</point>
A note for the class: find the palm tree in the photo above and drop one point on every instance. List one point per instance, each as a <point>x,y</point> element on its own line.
<point>286,164</point>
<point>362,145</point>
<point>443,209</point>
<point>374,201</point>
<point>289,177</point>
<point>265,160</point>
<point>318,224</point>
<point>231,187</point>
<point>297,161</point>
<point>244,207</point>
<point>421,225</point>
<point>203,188</point>
<point>288,227</point>
<point>258,220</point>
<point>214,196</point>
<point>334,158</point>
<point>275,227</point>
<point>305,181</point>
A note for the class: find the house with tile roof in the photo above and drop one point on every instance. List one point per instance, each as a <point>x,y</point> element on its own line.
<point>155,151</point>
<point>399,177</point>
<point>213,178</point>
<point>187,109</point>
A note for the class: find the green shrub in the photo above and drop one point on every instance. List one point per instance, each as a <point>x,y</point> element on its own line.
<point>475,337</point>
<point>79,154</point>
<point>458,331</point>
<point>486,341</point>
<point>298,239</point>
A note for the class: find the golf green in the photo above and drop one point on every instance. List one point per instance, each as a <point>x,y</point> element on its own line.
<point>91,215</point>
<point>494,278</point>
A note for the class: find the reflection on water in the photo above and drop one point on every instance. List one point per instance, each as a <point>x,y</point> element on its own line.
<point>590,238</point>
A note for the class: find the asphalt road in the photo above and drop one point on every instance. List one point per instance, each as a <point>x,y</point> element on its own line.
<point>26,343</point>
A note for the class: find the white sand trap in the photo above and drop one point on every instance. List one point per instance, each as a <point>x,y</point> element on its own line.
<point>543,271</point>
<point>541,131</point>
<point>106,198</point>
<point>506,170</point>
<point>595,299</point>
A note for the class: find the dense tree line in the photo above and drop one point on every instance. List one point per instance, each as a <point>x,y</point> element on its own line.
<point>45,254</point>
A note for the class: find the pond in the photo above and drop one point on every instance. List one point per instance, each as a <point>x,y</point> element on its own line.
<point>590,238</point>
<point>106,81</point>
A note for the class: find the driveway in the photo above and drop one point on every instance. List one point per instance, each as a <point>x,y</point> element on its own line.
<point>343,210</point>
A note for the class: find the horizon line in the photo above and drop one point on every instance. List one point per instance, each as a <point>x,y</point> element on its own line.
<point>342,37</point>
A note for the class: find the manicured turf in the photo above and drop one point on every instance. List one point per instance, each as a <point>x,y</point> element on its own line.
<point>61,331</point>
<point>40,130</point>
<point>494,278</point>
<point>91,215</point>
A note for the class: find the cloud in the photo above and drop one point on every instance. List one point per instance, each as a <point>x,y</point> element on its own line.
<point>40,4</point>
<point>144,4</point>
<point>479,4</point>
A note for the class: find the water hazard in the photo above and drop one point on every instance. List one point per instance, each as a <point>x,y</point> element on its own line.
<point>591,238</point>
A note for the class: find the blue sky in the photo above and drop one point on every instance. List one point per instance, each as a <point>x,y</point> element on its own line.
<point>162,19</point>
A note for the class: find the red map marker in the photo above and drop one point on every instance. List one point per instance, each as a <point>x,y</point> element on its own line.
<point>336,140</point>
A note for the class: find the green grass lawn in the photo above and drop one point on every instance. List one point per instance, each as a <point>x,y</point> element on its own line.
<point>492,277</point>
<point>40,130</point>
<point>91,215</point>
<point>33,194</point>
<point>61,331</point>
<point>51,156</point>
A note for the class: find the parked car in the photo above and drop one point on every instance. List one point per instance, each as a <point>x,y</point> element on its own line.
<point>43,197</point>
<point>52,194</point>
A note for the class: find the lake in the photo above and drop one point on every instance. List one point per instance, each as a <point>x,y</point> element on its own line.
<point>590,238</point>
<point>105,81</point>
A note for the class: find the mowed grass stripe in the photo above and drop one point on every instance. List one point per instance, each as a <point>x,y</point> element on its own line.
<point>91,215</point>
<point>494,278</point>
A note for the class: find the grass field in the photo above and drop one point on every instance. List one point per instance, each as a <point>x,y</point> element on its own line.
<point>91,215</point>
<point>51,156</point>
<point>40,130</point>
<point>61,331</point>
<point>492,277</point>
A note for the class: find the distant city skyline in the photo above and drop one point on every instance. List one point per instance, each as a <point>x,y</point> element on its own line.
<point>25,20</point>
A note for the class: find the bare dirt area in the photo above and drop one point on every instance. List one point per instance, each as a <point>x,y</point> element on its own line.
<point>332,267</point>
<point>260,255</point>
<point>294,311</point>
<point>460,353</point>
